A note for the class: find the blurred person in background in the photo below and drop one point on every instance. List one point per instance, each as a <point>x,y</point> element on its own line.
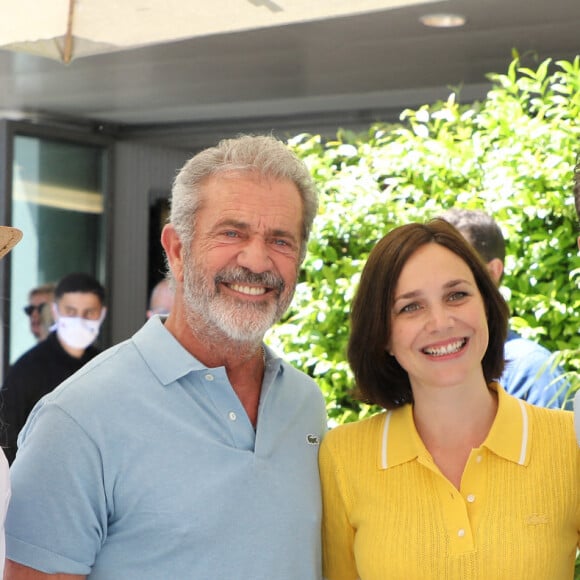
<point>161,299</point>
<point>78,311</point>
<point>39,310</point>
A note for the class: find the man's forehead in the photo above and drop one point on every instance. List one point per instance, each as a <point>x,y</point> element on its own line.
<point>72,297</point>
<point>40,295</point>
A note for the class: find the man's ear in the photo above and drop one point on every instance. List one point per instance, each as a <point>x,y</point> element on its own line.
<point>495,269</point>
<point>174,251</point>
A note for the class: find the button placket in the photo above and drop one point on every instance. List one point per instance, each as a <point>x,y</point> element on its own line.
<point>228,408</point>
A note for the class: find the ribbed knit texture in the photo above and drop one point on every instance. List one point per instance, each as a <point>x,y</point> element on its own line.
<point>509,521</point>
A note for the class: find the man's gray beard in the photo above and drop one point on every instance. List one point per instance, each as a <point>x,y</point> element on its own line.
<point>226,316</point>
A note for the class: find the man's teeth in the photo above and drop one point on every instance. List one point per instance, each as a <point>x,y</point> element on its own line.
<point>252,290</point>
<point>447,349</point>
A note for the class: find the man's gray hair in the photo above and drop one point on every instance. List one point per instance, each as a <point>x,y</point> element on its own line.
<point>263,155</point>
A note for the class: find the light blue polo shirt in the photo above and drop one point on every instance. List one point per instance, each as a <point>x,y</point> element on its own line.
<point>529,373</point>
<point>144,465</point>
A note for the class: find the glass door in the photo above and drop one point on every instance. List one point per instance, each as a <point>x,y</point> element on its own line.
<point>58,196</point>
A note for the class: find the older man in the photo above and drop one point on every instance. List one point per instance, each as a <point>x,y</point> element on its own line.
<point>190,450</point>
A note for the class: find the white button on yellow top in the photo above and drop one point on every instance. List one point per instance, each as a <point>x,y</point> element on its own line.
<point>461,532</point>
<point>470,498</point>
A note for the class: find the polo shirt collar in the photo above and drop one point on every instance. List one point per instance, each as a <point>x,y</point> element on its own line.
<point>158,346</point>
<point>510,434</point>
<point>508,437</point>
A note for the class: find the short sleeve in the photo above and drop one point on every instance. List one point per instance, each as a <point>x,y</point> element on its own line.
<point>61,531</point>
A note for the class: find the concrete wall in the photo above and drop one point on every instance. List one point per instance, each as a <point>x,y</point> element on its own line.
<point>141,174</point>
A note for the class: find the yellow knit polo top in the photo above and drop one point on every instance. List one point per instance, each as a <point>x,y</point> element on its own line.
<point>389,513</point>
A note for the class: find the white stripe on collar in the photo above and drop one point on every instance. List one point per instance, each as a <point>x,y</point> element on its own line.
<point>385,440</point>
<point>525,428</point>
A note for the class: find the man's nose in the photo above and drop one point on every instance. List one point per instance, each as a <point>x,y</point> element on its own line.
<point>255,255</point>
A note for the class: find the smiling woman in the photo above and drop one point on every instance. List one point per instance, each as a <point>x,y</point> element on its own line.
<point>448,479</point>
<point>379,376</point>
<point>438,324</point>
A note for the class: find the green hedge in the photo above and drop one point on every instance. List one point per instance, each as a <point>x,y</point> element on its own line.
<point>511,155</point>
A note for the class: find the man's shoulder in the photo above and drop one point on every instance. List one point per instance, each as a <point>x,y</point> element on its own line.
<point>299,379</point>
<point>521,347</point>
<point>94,380</point>
<point>298,375</point>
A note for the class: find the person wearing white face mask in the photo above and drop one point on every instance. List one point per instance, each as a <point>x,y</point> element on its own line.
<point>78,312</point>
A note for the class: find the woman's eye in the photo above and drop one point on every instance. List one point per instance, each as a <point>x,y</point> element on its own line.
<point>457,296</point>
<point>410,307</point>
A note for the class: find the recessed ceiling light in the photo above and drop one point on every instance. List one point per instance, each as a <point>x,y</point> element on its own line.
<point>443,20</point>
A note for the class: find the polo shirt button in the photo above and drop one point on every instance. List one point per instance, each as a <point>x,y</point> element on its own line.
<point>479,459</point>
<point>209,377</point>
<point>461,532</point>
<point>470,498</point>
<point>232,416</point>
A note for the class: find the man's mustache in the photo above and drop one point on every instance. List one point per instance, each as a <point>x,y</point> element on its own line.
<point>244,276</point>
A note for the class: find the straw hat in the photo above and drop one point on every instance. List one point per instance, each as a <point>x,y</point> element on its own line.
<point>9,237</point>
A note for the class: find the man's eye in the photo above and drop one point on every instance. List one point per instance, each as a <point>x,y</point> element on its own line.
<point>231,234</point>
<point>281,243</point>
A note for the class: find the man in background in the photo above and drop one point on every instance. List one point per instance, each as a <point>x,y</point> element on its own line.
<point>78,312</point>
<point>189,451</point>
<point>39,310</point>
<point>529,372</point>
<point>161,299</point>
